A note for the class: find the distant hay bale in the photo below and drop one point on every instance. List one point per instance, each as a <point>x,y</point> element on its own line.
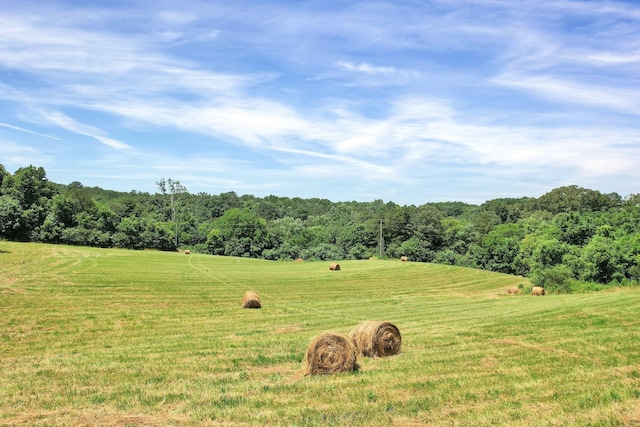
<point>376,339</point>
<point>187,252</point>
<point>514,290</point>
<point>404,259</point>
<point>298,259</point>
<point>537,291</point>
<point>334,266</point>
<point>251,299</point>
<point>330,353</point>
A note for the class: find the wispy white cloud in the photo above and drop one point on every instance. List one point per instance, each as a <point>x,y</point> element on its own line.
<point>67,123</point>
<point>367,91</point>
<point>21,154</point>
<point>366,68</point>
<point>8,126</point>
<point>176,17</point>
<point>572,92</point>
<point>608,58</point>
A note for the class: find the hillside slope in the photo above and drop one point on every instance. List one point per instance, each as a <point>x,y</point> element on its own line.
<point>116,337</point>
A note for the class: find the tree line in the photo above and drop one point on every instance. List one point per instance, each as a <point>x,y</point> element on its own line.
<point>569,239</point>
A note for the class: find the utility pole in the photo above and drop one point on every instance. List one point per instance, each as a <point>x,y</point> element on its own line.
<point>381,242</point>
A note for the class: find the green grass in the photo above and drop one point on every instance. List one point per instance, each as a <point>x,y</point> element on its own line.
<point>114,337</point>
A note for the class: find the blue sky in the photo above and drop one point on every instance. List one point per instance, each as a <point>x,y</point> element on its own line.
<point>404,101</point>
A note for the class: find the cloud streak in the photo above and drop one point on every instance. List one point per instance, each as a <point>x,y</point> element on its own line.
<point>62,121</point>
<point>8,126</point>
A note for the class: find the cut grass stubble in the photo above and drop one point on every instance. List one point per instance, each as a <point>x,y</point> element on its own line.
<point>95,336</point>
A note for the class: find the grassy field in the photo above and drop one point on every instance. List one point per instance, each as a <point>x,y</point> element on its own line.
<point>115,337</point>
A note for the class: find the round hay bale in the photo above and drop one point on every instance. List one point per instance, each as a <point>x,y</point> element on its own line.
<point>404,259</point>
<point>330,353</point>
<point>514,290</point>
<point>187,252</point>
<point>376,339</point>
<point>251,299</point>
<point>537,291</point>
<point>334,266</point>
<point>298,259</point>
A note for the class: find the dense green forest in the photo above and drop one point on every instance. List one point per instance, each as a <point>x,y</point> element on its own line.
<point>567,240</point>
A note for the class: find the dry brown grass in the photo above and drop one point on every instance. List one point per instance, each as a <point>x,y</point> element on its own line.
<point>107,417</point>
<point>630,416</point>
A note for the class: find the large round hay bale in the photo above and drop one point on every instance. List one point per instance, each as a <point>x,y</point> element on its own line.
<point>250,299</point>
<point>334,266</point>
<point>298,259</point>
<point>376,339</point>
<point>330,353</point>
<point>537,291</point>
<point>514,290</point>
<point>187,252</point>
<point>404,259</point>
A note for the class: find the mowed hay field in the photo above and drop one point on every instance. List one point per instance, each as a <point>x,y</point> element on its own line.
<point>115,337</point>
